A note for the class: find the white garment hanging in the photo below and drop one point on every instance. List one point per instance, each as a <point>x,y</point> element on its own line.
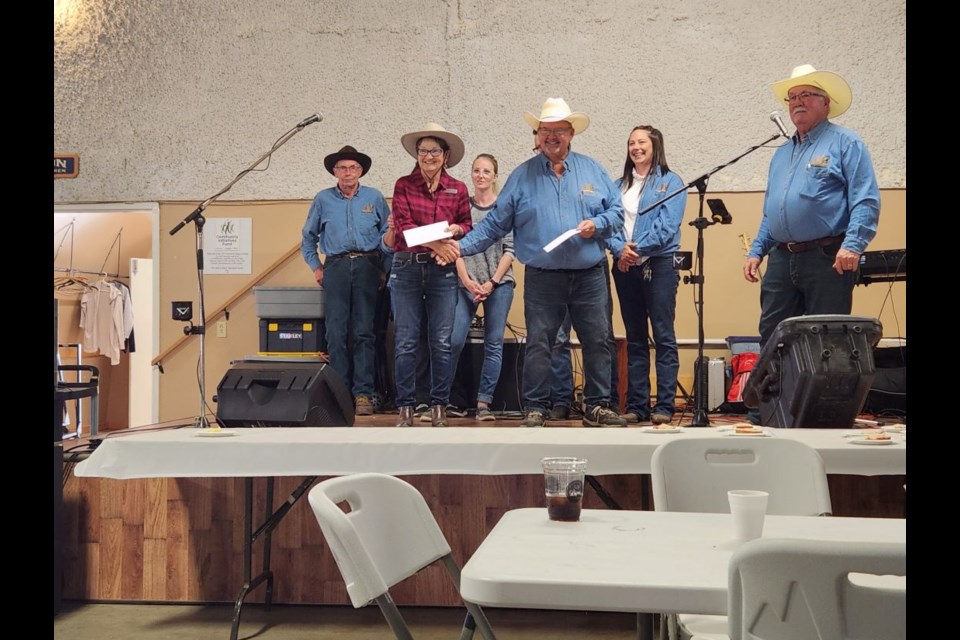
<point>101,318</point>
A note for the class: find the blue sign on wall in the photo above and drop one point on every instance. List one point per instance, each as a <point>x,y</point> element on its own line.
<point>65,165</point>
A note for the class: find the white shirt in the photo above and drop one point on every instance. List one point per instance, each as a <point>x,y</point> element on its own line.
<point>631,203</point>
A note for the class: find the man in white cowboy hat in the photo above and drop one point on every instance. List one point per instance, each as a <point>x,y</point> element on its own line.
<point>556,191</point>
<point>347,222</point>
<point>820,210</point>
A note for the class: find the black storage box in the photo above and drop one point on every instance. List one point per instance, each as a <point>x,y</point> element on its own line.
<point>815,371</point>
<point>275,392</point>
<point>293,335</point>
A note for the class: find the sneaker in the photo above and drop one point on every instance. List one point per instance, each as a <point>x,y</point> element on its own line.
<point>455,412</point>
<point>485,415</point>
<point>602,417</point>
<point>363,406</point>
<point>660,418</point>
<point>560,412</point>
<point>423,413</point>
<point>533,419</point>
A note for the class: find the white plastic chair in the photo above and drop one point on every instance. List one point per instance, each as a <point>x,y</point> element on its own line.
<point>783,589</point>
<point>694,475</point>
<point>388,535</point>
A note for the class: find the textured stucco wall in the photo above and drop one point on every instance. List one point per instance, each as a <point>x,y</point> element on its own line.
<point>170,100</point>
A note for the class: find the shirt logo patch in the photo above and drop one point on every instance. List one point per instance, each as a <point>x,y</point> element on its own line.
<point>663,188</point>
<point>368,208</point>
<point>822,161</point>
<point>450,191</point>
<point>588,189</point>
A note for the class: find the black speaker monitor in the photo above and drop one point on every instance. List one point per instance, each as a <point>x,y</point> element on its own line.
<point>283,393</point>
<point>815,371</point>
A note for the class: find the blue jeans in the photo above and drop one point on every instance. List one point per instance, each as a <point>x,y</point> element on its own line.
<point>648,294</point>
<point>419,290</point>
<point>351,288</point>
<point>548,296</point>
<point>561,367</point>
<point>800,284</point>
<point>495,310</point>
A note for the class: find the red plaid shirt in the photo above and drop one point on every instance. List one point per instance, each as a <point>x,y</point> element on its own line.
<point>414,205</point>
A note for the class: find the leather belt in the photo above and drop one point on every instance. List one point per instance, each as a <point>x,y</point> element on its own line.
<point>599,264</point>
<point>354,254</point>
<point>799,247</point>
<point>420,257</point>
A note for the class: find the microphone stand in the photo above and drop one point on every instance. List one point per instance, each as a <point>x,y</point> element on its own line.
<point>196,216</point>
<point>700,398</point>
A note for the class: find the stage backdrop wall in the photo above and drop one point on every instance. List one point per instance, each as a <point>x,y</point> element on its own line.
<point>170,100</point>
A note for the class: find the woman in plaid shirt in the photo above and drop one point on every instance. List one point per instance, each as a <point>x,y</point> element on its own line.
<point>418,285</point>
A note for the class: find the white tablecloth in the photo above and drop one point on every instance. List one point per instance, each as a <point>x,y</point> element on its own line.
<point>330,451</point>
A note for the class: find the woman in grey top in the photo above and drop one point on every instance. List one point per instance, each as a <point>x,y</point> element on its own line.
<point>485,278</point>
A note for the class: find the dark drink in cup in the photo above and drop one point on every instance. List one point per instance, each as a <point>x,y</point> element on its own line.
<point>563,485</point>
<point>563,508</point>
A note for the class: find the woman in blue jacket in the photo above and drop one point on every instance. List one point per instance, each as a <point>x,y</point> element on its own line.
<point>644,275</point>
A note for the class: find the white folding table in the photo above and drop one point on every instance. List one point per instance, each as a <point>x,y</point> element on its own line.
<point>633,561</point>
<point>306,451</point>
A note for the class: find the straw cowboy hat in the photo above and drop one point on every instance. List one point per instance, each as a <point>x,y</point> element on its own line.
<point>832,84</point>
<point>555,110</point>
<point>348,153</point>
<point>433,130</point>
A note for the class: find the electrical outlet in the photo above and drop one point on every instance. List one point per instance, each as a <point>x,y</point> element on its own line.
<point>222,329</point>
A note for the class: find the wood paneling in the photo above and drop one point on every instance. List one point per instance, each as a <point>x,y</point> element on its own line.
<point>181,539</point>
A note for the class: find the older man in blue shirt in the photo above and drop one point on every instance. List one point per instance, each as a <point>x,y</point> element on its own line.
<point>348,221</point>
<point>821,207</point>
<point>552,193</point>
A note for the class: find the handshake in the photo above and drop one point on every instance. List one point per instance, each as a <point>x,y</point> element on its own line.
<point>447,250</point>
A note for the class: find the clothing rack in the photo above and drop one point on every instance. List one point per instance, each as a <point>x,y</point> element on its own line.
<point>89,273</point>
<point>67,230</point>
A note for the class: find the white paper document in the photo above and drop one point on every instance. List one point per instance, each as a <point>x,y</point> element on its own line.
<point>560,239</point>
<point>426,233</point>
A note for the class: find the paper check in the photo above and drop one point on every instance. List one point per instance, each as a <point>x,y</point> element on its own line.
<point>560,239</point>
<point>426,233</point>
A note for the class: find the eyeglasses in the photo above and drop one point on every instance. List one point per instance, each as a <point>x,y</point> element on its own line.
<point>433,153</point>
<point>352,168</point>
<point>552,132</point>
<point>803,96</point>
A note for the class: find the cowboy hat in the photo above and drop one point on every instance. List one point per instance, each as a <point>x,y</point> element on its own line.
<point>555,110</point>
<point>832,84</point>
<point>433,130</point>
<point>348,153</point>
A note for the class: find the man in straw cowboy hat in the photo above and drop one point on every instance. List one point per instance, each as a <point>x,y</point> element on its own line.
<point>820,210</point>
<point>347,221</point>
<point>553,192</point>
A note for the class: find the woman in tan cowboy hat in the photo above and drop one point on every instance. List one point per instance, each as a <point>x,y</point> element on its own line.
<point>418,285</point>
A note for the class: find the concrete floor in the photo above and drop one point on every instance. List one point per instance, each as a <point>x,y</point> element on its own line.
<point>81,621</point>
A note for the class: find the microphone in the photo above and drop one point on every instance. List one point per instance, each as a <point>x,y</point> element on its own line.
<point>775,117</point>
<point>317,117</point>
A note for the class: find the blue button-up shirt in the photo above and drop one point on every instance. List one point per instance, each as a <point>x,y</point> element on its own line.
<point>537,206</point>
<point>820,187</point>
<point>341,224</point>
